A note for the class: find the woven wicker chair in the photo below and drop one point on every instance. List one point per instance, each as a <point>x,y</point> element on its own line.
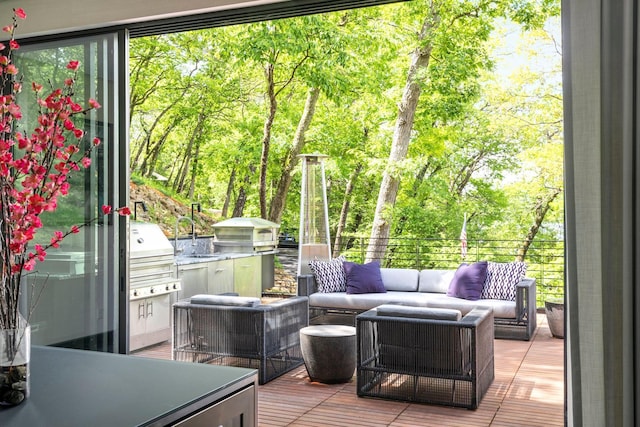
<point>404,356</point>
<point>265,337</point>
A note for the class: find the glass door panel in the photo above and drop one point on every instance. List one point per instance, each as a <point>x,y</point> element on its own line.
<point>76,290</point>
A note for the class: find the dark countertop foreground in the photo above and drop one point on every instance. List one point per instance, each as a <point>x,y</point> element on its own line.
<point>86,388</point>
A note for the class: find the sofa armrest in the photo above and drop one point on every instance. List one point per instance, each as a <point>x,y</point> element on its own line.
<point>281,304</point>
<point>526,299</point>
<point>282,321</point>
<point>478,315</point>
<point>307,285</point>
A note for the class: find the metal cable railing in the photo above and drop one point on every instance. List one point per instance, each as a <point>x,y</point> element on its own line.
<point>544,258</point>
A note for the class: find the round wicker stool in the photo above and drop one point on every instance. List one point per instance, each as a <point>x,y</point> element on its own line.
<point>329,352</point>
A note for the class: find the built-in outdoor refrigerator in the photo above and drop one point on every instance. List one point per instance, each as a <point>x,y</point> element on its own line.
<point>258,239</point>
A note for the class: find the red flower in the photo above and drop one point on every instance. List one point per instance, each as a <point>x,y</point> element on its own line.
<point>124,211</point>
<point>41,253</point>
<point>29,264</point>
<point>37,171</point>
<point>56,239</point>
<point>19,12</point>
<point>73,65</point>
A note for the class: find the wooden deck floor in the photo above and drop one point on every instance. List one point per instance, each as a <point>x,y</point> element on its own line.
<point>528,390</point>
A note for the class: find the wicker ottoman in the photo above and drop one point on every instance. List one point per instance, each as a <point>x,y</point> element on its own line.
<point>329,352</point>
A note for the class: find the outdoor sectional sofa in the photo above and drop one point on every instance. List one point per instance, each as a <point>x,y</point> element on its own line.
<point>514,318</point>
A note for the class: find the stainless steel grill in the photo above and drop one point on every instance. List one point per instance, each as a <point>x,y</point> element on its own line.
<point>152,283</point>
<point>245,235</point>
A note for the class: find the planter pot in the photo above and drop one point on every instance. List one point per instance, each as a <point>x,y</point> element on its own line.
<point>15,355</point>
<point>555,317</point>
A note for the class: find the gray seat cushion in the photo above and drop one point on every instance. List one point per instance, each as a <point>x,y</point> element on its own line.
<point>395,310</point>
<point>205,299</point>
<point>342,300</point>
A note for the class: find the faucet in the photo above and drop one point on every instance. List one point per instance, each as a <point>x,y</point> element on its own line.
<point>193,234</point>
<point>135,209</point>
<point>193,224</point>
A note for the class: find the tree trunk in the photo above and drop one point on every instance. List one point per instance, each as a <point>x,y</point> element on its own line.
<point>194,171</point>
<point>156,122</point>
<point>238,209</point>
<point>417,182</point>
<point>184,170</point>
<point>344,212</point>
<point>279,199</point>
<point>541,209</point>
<point>266,139</point>
<point>150,160</point>
<point>459,182</point>
<point>399,146</point>
<point>227,197</point>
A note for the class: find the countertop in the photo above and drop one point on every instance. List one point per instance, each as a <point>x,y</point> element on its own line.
<point>183,259</point>
<point>86,388</point>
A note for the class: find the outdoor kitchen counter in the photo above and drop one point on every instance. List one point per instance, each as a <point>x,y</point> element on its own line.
<point>199,258</point>
<point>86,388</point>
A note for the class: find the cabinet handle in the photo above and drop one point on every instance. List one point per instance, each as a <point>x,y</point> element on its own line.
<point>150,309</point>
<point>141,310</point>
<point>220,270</point>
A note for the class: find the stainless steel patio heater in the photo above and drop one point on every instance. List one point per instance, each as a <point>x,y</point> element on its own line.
<point>313,241</point>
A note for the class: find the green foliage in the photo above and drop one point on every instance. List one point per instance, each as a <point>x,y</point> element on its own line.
<point>483,143</point>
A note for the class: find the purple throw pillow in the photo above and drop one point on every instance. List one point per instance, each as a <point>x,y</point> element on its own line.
<point>363,278</point>
<point>468,281</point>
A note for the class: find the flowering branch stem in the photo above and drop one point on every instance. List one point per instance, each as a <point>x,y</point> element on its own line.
<point>35,170</point>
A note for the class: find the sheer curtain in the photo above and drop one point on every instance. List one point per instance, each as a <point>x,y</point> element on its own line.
<point>600,51</point>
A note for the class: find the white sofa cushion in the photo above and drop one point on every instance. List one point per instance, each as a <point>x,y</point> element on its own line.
<point>435,280</point>
<point>342,300</point>
<point>400,279</point>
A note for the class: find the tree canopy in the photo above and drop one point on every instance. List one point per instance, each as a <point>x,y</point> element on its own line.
<point>410,101</point>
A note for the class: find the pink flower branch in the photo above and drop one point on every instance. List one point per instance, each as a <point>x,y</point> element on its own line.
<point>35,169</point>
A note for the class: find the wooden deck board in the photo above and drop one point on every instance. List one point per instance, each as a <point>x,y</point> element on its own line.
<point>528,390</point>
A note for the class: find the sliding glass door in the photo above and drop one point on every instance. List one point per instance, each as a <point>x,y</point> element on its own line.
<point>78,290</point>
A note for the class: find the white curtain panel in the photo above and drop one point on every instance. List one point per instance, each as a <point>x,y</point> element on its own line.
<point>601,95</point>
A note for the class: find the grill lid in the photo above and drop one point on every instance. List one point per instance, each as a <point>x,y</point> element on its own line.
<point>245,235</point>
<point>246,223</point>
<point>148,240</point>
